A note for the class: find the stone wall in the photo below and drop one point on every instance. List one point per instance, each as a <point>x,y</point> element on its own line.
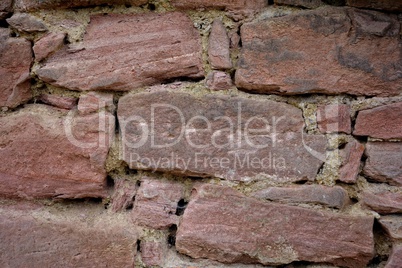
<point>188,133</point>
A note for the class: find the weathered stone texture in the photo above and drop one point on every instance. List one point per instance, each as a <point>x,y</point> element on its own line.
<point>26,23</point>
<point>383,122</point>
<point>319,51</point>
<point>218,47</point>
<point>335,197</point>
<point>393,225</point>
<point>47,45</point>
<point>226,137</point>
<point>384,162</point>
<point>15,62</point>
<point>95,101</point>
<point>6,5</point>
<point>123,195</point>
<point>246,6</point>
<point>218,81</point>
<point>395,259</point>
<point>390,5</point>
<point>43,239</point>
<point>153,253</point>
<point>351,157</point>
<point>384,203</point>
<point>221,224</point>
<point>47,153</point>
<point>124,52</point>
<point>67,103</point>
<point>156,203</point>
<point>334,118</point>
<point>26,5</point>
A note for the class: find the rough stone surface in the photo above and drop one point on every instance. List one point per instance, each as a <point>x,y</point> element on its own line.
<point>26,23</point>
<point>153,253</point>
<point>351,157</point>
<point>383,122</point>
<point>3,15</point>
<point>390,5</point>
<point>221,224</point>
<point>393,225</point>
<point>281,55</point>
<point>244,6</point>
<point>63,155</point>
<point>26,5</point>
<point>123,195</point>
<point>218,47</point>
<point>67,103</point>
<point>124,52</point>
<point>6,5</point>
<point>384,203</point>
<point>395,259</point>
<point>48,44</point>
<point>334,118</point>
<point>94,101</point>
<point>15,62</point>
<point>217,80</point>
<point>335,197</point>
<point>301,3</point>
<point>32,237</point>
<point>384,162</point>
<point>156,203</point>
<point>226,137</point>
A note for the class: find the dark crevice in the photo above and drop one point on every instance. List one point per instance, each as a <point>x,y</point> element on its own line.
<point>151,7</point>
<point>129,171</point>
<point>270,2</point>
<point>335,2</point>
<point>172,235</point>
<point>109,182</point>
<point>362,139</point>
<point>138,245</point>
<point>181,206</point>
<point>3,24</point>
<point>301,182</point>
<point>320,170</point>
<point>382,244</point>
<point>138,184</point>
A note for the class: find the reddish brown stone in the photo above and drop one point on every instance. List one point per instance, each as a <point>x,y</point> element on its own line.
<point>395,259</point>
<point>124,52</point>
<point>221,224</point>
<point>27,5</point>
<point>384,122</point>
<point>123,195</point>
<point>93,102</point>
<point>384,162</point>
<point>45,238</point>
<point>226,137</point>
<point>334,118</point>
<point>46,152</point>
<point>153,253</point>
<point>15,63</point>
<point>48,44</point>
<point>301,3</point>
<point>390,5</point>
<point>385,202</point>
<point>393,225</point>
<point>67,103</point>
<point>315,51</point>
<point>218,81</point>
<point>156,203</point>
<point>26,23</point>
<point>242,6</point>
<point>335,197</point>
<point>218,47</point>
<point>351,157</point>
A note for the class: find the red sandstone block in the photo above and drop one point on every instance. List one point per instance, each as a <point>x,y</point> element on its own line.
<point>334,118</point>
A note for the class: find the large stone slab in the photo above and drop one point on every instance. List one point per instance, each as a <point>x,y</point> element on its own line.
<point>15,63</point>
<point>214,135</point>
<point>383,162</point>
<point>384,202</point>
<point>124,52</point>
<point>39,237</point>
<point>383,122</point>
<point>329,50</point>
<point>243,6</point>
<point>46,152</point>
<point>221,224</point>
<point>26,5</point>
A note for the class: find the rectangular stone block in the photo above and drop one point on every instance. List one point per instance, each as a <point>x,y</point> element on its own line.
<point>221,224</point>
<point>226,137</point>
<point>329,50</point>
<point>47,152</point>
<point>27,5</point>
<point>124,52</point>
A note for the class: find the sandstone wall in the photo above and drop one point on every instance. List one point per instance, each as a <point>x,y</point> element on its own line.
<point>187,133</point>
